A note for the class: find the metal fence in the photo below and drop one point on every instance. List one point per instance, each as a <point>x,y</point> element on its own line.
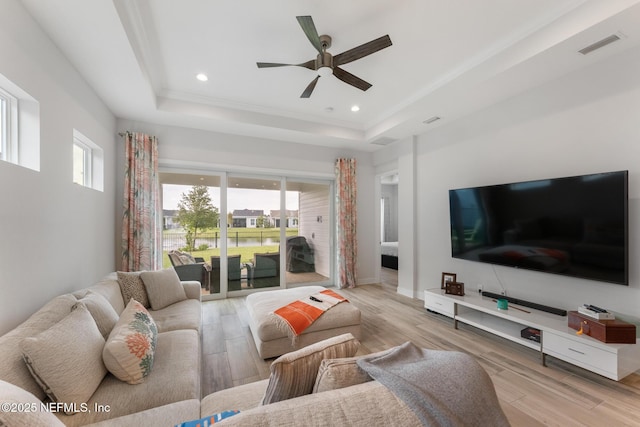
<point>175,240</point>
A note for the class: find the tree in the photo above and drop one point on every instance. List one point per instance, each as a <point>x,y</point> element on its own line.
<point>196,212</point>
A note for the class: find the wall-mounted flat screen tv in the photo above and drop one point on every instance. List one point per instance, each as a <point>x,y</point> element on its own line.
<point>574,226</point>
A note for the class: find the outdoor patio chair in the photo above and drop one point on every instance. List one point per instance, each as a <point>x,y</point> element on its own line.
<point>233,272</point>
<point>189,268</point>
<point>265,271</point>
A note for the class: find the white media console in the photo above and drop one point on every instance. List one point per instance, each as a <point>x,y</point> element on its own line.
<point>614,361</point>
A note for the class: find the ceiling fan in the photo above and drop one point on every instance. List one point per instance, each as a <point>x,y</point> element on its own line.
<point>325,63</point>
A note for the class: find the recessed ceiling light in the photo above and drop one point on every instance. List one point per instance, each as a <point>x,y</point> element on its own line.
<point>202,77</point>
<point>355,108</point>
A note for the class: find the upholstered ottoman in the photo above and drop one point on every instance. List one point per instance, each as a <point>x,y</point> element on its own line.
<point>272,341</point>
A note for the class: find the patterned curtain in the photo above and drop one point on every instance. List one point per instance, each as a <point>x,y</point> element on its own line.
<point>142,218</point>
<point>347,221</point>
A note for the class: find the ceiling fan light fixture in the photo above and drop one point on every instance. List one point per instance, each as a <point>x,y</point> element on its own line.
<point>325,71</point>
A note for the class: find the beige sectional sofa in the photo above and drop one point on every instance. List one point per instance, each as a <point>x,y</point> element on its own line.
<point>174,380</point>
<point>321,384</point>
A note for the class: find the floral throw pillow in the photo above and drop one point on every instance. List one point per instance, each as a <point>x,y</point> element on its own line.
<point>128,353</point>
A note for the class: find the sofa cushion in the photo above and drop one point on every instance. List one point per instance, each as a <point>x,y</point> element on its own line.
<point>129,351</point>
<point>242,398</point>
<point>132,287</point>
<point>185,314</point>
<point>163,287</point>
<point>12,366</point>
<point>101,310</point>
<point>363,405</point>
<point>175,377</point>
<point>66,359</point>
<point>27,411</point>
<point>165,415</point>
<point>109,288</point>
<point>294,374</point>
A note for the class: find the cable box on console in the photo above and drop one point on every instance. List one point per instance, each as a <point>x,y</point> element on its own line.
<point>532,334</point>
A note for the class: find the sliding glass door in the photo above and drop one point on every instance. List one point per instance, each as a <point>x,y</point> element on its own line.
<point>253,235</point>
<point>246,232</point>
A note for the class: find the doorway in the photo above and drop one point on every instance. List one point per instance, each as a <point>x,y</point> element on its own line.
<point>389,229</point>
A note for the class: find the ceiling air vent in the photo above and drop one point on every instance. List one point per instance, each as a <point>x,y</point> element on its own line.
<point>383,141</point>
<point>602,43</point>
<point>431,120</point>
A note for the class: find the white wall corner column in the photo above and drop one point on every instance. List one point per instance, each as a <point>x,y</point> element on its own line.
<point>408,231</point>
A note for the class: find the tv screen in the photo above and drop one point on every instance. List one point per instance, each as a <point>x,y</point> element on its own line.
<point>574,226</point>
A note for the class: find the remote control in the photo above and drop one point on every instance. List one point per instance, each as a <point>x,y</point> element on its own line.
<point>597,309</point>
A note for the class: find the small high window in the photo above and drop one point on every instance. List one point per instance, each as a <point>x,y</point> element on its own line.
<point>19,126</point>
<point>87,162</point>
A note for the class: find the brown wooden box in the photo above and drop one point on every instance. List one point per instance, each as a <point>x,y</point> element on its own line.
<point>454,288</point>
<point>609,331</point>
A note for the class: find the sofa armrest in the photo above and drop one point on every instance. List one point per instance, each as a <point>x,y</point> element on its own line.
<point>242,397</point>
<point>192,289</point>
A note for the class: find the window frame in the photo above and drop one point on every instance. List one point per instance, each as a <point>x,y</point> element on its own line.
<point>92,162</point>
<point>87,162</point>
<point>8,126</point>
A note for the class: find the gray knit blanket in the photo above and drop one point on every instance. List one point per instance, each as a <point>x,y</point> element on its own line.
<point>443,388</point>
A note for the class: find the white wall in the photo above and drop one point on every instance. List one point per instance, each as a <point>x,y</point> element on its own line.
<point>201,150</point>
<point>55,236</point>
<point>583,123</point>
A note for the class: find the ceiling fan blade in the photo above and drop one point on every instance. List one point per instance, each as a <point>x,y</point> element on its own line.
<point>309,64</point>
<point>309,28</point>
<point>349,78</point>
<point>362,50</point>
<point>307,92</point>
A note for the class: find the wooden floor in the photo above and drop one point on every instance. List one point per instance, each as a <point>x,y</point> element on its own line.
<point>530,394</point>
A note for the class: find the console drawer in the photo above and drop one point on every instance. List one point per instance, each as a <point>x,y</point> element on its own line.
<point>579,353</point>
<point>439,304</point>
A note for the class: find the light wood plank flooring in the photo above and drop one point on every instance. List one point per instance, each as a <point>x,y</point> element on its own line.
<point>530,394</point>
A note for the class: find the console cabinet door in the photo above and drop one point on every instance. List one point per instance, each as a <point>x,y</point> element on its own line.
<point>439,304</point>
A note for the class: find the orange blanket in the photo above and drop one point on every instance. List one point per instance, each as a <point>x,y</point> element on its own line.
<point>300,314</point>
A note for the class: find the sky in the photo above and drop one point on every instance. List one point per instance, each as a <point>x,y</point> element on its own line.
<point>266,200</point>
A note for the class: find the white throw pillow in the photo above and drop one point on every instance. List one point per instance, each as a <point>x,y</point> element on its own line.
<point>129,351</point>
<point>342,372</point>
<point>294,374</point>
<point>66,359</point>
<point>101,310</point>
<point>163,287</point>
<point>22,409</point>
